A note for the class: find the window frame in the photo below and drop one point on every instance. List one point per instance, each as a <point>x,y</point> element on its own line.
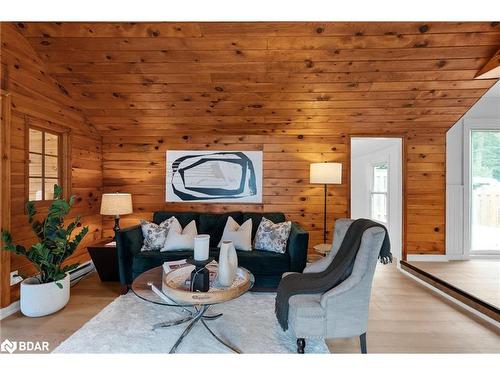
<point>373,192</point>
<point>63,153</point>
<point>470,125</point>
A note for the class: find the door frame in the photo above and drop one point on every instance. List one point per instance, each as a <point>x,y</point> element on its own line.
<point>468,126</point>
<point>404,181</point>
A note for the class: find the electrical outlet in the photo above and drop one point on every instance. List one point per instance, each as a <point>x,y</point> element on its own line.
<point>15,278</point>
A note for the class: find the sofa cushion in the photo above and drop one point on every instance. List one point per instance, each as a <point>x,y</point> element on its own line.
<point>275,217</point>
<point>263,262</point>
<point>184,217</point>
<point>213,224</point>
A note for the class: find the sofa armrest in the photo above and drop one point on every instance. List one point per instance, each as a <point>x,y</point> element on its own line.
<point>128,243</point>
<point>297,248</point>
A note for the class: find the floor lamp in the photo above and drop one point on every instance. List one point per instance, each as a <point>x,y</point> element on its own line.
<point>325,174</point>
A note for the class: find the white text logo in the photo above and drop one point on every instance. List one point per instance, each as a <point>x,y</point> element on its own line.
<point>24,346</point>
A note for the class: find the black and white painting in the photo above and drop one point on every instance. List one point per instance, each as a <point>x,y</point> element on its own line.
<point>214,176</point>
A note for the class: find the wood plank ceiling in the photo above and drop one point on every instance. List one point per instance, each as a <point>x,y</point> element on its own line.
<point>255,76</point>
<point>151,87</point>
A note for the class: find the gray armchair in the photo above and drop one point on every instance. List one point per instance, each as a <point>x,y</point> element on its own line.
<point>343,310</point>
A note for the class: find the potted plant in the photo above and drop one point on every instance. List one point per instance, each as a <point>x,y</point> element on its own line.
<point>48,291</point>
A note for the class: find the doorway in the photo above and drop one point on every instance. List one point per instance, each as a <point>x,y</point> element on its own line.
<point>482,189</point>
<point>376,184</point>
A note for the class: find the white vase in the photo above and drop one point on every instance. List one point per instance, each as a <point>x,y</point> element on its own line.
<point>228,264</point>
<point>43,299</point>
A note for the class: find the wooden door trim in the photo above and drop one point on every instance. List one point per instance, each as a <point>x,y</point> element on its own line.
<point>5,199</point>
<point>404,181</point>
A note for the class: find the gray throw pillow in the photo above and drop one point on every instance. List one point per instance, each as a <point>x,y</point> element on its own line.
<point>272,237</point>
<point>155,234</point>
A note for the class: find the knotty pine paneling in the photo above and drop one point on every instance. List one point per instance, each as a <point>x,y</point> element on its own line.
<point>39,98</point>
<point>136,163</point>
<point>296,90</point>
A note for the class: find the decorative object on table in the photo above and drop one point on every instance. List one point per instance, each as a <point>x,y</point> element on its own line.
<point>105,259</point>
<point>155,234</point>
<point>179,238</point>
<point>325,174</point>
<point>200,276</point>
<point>331,298</point>
<point>272,236</point>
<point>228,264</point>
<point>116,204</point>
<point>214,176</point>
<point>201,247</point>
<point>174,264</point>
<point>49,291</point>
<point>240,235</point>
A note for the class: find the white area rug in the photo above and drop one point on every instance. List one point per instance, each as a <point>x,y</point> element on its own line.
<point>124,326</point>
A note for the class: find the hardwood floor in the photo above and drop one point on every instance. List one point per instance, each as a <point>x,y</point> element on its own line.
<point>405,317</point>
<point>476,277</point>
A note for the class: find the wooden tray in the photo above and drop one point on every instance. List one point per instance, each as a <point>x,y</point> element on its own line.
<point>174,286</point>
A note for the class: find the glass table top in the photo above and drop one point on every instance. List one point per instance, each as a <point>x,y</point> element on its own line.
<point>144,284</point>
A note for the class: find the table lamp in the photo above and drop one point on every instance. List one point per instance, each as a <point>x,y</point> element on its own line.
<point>325,174</point>
<point>116,204</point>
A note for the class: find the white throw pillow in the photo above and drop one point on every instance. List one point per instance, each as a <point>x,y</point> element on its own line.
<point>155,234</point>
<point>240,235</point>
<point>180,239</point>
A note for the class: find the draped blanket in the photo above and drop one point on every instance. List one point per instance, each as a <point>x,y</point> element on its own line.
<point>337,271</point>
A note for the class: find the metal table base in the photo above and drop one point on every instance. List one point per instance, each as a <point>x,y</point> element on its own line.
<point>193,317</point>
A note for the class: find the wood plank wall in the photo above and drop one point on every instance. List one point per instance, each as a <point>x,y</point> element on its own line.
<point>297,91</point>
<point>136,164</point>
<point>38,98</point>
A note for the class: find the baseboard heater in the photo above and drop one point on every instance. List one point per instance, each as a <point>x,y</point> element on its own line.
<point>458,294</point>
<point>83,270</point>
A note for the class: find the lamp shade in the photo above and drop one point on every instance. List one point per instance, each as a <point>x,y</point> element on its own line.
<point>325,173</point>
<point>116,204</point>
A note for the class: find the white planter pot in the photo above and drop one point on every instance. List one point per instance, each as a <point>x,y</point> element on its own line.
<point>43,299</point>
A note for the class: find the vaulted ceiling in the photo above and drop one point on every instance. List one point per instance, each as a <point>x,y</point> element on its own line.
<point>147,76</point>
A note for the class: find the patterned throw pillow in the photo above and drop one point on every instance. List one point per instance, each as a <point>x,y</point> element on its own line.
<point>272,237</point>
<point>155,234</point>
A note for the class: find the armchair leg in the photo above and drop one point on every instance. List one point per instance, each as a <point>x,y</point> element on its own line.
<point>362,343</point>
<point>301,345</point>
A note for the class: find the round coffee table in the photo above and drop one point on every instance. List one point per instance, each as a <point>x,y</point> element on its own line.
<point>169,290</point>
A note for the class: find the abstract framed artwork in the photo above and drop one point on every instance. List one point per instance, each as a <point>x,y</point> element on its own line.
<point>214,176</point>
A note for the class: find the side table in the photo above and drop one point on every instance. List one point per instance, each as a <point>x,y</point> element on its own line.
<point>105,259</point>
<point>323,248</point>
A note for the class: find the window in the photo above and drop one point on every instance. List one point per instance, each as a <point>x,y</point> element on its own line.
<point>485,190</point>
<point>45,163</point>
<point>378,195</point>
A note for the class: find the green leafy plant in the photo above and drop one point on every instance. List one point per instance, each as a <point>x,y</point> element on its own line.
<point>55,240</point>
